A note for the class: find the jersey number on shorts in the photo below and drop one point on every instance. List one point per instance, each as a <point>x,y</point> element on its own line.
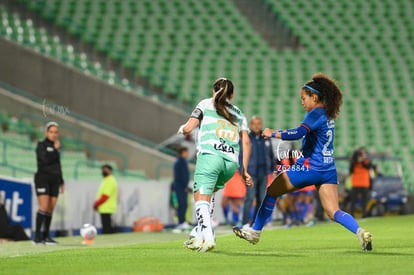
<point>226,130</point>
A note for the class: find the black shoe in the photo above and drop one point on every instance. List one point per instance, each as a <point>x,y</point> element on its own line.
<point>38,241</point>
<point>49,241</point>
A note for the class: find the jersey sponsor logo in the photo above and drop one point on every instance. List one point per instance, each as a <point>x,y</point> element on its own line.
<point>328,160</point>
<point>222,146</point>
<point>330,123</point>
<point>50,149</point>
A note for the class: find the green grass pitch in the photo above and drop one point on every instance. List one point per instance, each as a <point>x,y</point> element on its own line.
<point>322,249</point>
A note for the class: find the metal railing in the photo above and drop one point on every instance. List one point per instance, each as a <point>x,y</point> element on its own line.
<point>6,162</point>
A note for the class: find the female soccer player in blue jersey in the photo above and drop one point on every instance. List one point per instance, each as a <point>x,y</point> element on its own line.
<point>321,98</point>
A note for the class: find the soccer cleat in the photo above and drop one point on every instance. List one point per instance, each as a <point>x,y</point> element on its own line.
<point>193,243</point>
<point>365,238</point>
<point>37,241</point>
<point>49,241</point>
<point>207,245</point>
<point>249,234</point>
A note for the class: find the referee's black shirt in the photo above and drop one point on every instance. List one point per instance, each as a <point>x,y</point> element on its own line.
<point>48,160</point>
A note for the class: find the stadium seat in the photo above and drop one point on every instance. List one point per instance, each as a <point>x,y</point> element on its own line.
<point>371,56</point>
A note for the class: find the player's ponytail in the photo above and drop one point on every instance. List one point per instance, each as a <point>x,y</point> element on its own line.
<point>327,91</point>
<point>223,91</point>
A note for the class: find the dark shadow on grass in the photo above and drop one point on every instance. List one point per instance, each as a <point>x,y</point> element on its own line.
<point>70,245</point>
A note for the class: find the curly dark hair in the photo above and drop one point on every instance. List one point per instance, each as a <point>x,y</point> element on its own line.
<point>329,93</point>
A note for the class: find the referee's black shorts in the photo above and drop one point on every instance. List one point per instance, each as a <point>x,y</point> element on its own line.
<point>47,185</point>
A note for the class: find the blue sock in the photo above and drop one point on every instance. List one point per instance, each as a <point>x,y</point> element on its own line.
<point>294,215</point>
<point>265,211</point>
<point>346,220</point>
<point>285,216</point>
<point>252,212</point>
<point>226,211</point>
<point>235,217</point>
<point>304,211</point>
<point>269,219</point>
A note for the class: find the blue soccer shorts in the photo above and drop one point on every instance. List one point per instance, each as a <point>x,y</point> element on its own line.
<point>301,179</point>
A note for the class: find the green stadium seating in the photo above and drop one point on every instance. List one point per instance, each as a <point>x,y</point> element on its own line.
<point>183,46</point>
<point>18,158</point>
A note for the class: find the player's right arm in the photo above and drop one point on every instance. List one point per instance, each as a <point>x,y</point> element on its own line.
<point>290,134</point>
<point>311,122</point>
<point>189,126</point>
<point>193,121</point>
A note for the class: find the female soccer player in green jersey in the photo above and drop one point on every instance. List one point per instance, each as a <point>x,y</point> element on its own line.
<point>221,126</point>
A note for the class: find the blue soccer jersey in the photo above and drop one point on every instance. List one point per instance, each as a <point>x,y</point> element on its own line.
<point>317,145</point>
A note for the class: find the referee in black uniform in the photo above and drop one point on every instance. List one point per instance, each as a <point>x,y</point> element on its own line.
<point>48,180</point>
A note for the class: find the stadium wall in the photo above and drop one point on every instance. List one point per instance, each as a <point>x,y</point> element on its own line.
<point>138,156</point>
<point>46,78</point>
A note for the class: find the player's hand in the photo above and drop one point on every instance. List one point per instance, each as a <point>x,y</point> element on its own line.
<point>62,188</point>
<point>181,130</point>
<point>56,144</point>
<point>247,179</point>
<point>267,133</point>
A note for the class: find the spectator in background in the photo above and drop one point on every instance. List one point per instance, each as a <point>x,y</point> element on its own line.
<point>107,199</point>
<point>234,192</point>
<point>13,232</point>
<point>180,186</point>
<point>48,180</point>
<point>360,179</point>
<point>261,164</point>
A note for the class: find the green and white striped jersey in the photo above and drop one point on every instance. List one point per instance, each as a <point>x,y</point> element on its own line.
<point>217,135</point>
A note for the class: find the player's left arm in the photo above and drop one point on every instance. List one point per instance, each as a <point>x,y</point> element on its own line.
<point>246,148</point>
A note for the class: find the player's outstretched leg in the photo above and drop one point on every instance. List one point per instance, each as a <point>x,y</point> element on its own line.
<point>329,198</point>
<point>248,234</point>
<point>347,221</point>
<point>252,235</point>
<point>280,185</point>
<point>365,238</point>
